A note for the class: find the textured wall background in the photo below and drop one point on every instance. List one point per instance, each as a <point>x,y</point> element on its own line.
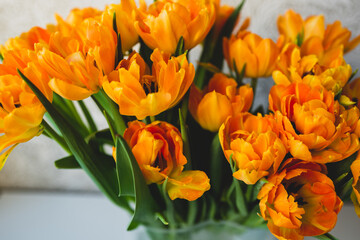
<point>31,164</point>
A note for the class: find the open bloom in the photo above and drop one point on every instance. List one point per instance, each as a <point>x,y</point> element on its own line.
<point>26,40</point>
<point>141,93</point>
<point>291,67</point>
<point>158,149</point>
<point>299,201</point>
<point>74,78</point>
<point>312,36</point>
<point>313,125</point>
<point>258,54</point>
<point>174,19</point>
<point>253,144</point>
<point>221,98</point>
<point>21,112</point>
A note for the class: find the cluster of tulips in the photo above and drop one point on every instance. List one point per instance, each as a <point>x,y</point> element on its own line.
<point>289,165</point>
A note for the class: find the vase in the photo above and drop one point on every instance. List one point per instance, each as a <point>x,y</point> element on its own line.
<point>209,230</point>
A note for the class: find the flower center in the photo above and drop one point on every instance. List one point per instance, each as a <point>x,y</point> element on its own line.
<point>149,84</point>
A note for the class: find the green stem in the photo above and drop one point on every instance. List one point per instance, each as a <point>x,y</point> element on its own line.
<point>74,112</point>
<point>89,119</point>
<point>240,199</point>
<point>192,212</point>
<point>49,131</point>
<point>170,211</point>
<point>326,236</point>
<point>249,193</point>
<point>152,119</point>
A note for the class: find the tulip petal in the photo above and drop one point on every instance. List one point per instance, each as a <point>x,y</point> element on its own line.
<point>189,185</point>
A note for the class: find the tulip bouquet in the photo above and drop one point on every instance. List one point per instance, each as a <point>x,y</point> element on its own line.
<point>187,144</point>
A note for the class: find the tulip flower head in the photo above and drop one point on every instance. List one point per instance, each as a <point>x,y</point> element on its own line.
<point>313,124</point>
<point>259,55</point>
<point>158,149</point>
<point>312,36</point>
<point>141,93</point>
<point>252,144</point>
<point>221,99</point>
<point>124,21</point>
<point>190,19</point>
<point>299,201</point>
<point>21,112</point>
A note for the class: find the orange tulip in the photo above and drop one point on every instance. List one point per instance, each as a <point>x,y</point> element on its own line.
<point>74,78</point>
<point>355,196</point>
<point>221,98</point>
<point>21,112</point>
<point>312,36</point>
<point>258,54</point>
<point>291,67</point>
<point>292,27</point>
<point>74,19</point>
<point>253,145</point>
<point>141,94</point>
<point>174,19</point>
<point>336,35</point>
<point>299,201</point>
<point>84,32</point>
<point>26,61</point>
<point>26,40</point>
<point>124,21</point>
<point>158,149</point>
<point>314,126</point>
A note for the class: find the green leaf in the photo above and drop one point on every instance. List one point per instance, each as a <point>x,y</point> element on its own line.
<point>145,206</point>
<point>145,52</point>
<point>67,163</point>
<point>180,47</point>
<point>89,119</point>
<point>124,168</point>
<point>111,108</point>
<point>335,170</point>
<point>102,136</point>
<point>118,55</point>
<point>346,189</point>
<point>102,175</point>
<point>110,124</point>
<point>68,110</point>
<point>231,21</point>
<point>114,23</point>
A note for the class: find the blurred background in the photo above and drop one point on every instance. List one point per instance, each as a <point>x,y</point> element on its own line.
<point>38,201</point>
